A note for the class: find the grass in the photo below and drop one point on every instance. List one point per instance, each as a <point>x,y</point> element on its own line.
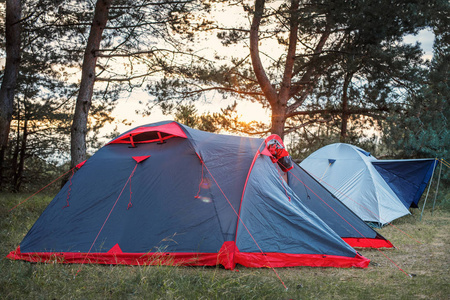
<point>429,261</point>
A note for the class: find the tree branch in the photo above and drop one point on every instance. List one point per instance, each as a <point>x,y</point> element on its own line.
<point>290,55</point>
<point>264,82</point>
<point>222,89</point>
<point>363,111</point>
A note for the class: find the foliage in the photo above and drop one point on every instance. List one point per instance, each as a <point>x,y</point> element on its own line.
<point>145,39</point>
<point>382,280</point>
<point>135,45</point>
<point>362,48</point>
<point>304,141</point>
<point>226,120</point>
<point>423,129</point>
<point>44,94</point>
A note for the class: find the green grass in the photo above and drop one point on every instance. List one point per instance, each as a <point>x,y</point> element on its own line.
<point>429,261</point>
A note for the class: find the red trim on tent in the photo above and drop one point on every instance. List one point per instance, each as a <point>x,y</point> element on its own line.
<point>245,186</point>
<point>161,140</point>
<point>368,243</point>
<point>132,141</point>
<point>273,152</point>
<point>115,250</point>
<point>139,159</point>
<point>266,152</point>
<point>80,164</point>
<point>228,256</point>
<point>171,130</point>
<point>279,260</point>
<point>276,150</point>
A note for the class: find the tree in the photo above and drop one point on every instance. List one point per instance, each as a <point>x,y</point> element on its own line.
<point>54,35</point>
<point>314,37</point>
<point>88,75</point>
<point>342,41</point>
<point>278,100</point>
<point>42,103</point>
<point>9,80</point>
<point>133,47</point>
<point>142,29</point>
<point>422,130</point>
<point>361,91</point>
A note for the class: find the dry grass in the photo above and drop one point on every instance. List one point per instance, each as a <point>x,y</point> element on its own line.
<point>428,260</point>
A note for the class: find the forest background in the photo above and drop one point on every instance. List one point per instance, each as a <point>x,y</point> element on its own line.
<point>76,73</point>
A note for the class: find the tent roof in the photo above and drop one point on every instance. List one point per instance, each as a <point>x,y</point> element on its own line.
<point>158,132</point>
<point>185,197</point>
<point>408,178</point>
<point>354,180</point>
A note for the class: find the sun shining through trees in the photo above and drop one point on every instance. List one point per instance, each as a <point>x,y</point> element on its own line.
<point>214,45</point>
<point>77,75</point>
<point>320,73</point>
<point>209,46</point>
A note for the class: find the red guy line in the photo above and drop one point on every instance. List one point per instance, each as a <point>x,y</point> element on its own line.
<point>350,225</point>
<point>98,234</point>
<point>262,252</point>
<point>364,207</point>
<point>328,205</point>
<point>40,190</point>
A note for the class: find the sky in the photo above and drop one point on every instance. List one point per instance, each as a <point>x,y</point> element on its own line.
<point>126,107</point>
<point>426,39</point>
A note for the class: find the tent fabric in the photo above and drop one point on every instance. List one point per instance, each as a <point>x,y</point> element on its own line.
<point>332,211</point>
<point>378,191</point>
<point>265,195</point>
<point>147,134</point>
<point>195,198</point>
<point>355,181</point>
<point>408,178</point>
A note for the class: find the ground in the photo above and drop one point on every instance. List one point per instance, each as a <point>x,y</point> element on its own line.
<point>417,269</point>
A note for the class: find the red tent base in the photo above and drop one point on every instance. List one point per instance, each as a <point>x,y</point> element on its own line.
<point>228,256</point>
<point>368,243</point>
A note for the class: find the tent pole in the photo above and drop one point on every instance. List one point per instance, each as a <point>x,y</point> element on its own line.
<point>428,190</point>
<point>437,187</point>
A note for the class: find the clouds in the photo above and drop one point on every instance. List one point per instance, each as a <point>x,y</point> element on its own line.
<point>426,38</point>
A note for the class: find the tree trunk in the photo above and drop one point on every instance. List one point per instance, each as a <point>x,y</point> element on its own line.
<point>23,147</point>
<point>84,99</point>
<point>278,120</point>
<point>13,15</point>
<point>345,113</point>
<point>263,81</point>
<point>278,101</point>
<point>16,150</point>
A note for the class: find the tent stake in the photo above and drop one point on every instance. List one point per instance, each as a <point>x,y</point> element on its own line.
<point>437,187</point>
<point>428,190</point>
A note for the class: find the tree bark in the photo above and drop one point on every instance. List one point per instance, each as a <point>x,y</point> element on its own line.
<point>264,82</point>
<point>7,90</point>
<point>278,101</point>
<point>345,113</point>
<point>23,148</point>
<point>84,99</point>
<point>303,88</point>
<point>15,156</point>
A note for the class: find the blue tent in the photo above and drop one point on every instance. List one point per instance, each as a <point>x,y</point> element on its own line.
<point>378,191</point>
<point>168,194</point>
<point>408,178</point>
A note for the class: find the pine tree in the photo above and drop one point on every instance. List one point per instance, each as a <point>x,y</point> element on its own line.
<point>9,79</point>
<point>318,42</point>
<point>423,130</point>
